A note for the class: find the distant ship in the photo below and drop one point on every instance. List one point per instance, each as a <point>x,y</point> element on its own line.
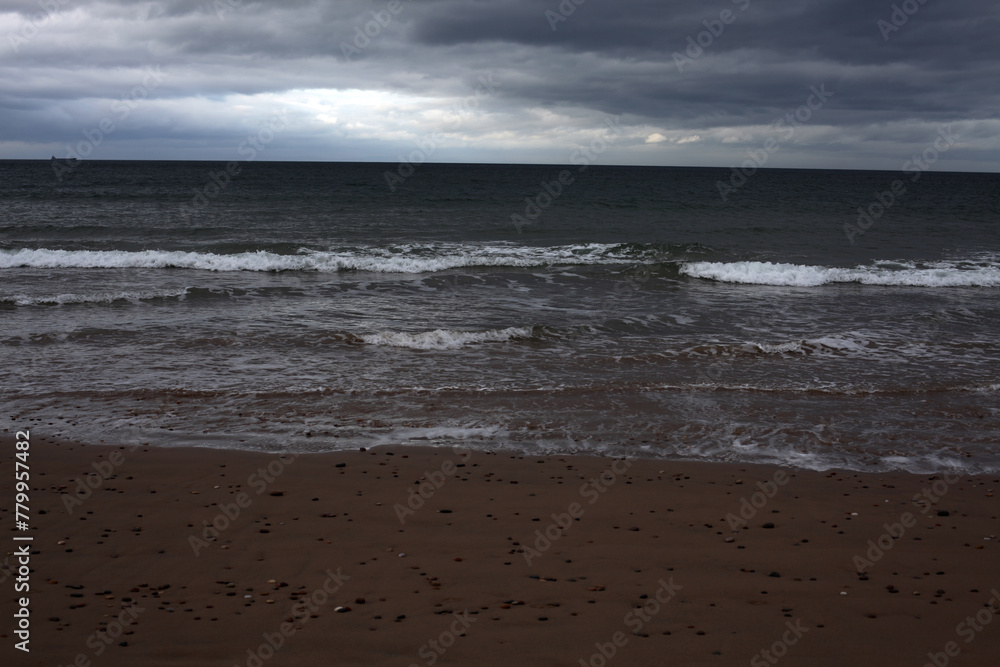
<point>63,159</point>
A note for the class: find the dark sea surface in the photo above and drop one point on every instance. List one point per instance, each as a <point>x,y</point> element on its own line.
<point>312,307</point>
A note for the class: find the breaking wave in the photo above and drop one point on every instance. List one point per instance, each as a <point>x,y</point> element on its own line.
<point>445,339</point>
<point>113,297</point>
<point>931,274</point>
<point>404,258</point>
<point>829,345</point>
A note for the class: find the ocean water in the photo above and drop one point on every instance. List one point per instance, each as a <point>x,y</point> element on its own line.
<point>626,310</point>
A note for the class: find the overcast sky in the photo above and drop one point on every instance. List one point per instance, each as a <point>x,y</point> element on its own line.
<point>690,82</point>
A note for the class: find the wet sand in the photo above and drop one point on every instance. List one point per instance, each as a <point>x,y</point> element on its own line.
<point>208,557</point>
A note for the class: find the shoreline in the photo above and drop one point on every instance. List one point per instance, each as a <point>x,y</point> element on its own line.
<point>226,557</point>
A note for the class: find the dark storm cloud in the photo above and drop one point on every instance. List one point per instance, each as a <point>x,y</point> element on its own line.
<point>695,82</point>
<point>947,47</point>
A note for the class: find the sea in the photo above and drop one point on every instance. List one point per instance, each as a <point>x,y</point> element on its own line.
<point>806,318</point>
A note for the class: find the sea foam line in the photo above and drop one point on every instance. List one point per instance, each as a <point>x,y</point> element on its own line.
<point>444,339</point>
<point>402,259</point>
<point>65,299</point>
<point>940,274</point>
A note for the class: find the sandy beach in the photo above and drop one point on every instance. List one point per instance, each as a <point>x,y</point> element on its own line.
<point>403,556</point>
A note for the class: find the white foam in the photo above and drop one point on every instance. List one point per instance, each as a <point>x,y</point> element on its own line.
<point>63,299</point>
<point>938,274</point>
<point>437,434</point>
<point>406,258</point>
<point>837,343</point>
<point>779,348</point>
<point>444,339</point>
<point>830,345</point>
<point>761,445</point>
<point>833,344</point>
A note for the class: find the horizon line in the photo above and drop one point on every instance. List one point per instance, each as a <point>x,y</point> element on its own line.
<point>493,164</point>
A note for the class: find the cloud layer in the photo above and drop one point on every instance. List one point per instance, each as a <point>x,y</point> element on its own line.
<point>693,83</point>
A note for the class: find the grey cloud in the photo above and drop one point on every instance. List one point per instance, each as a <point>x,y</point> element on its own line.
<point>606,58</point>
